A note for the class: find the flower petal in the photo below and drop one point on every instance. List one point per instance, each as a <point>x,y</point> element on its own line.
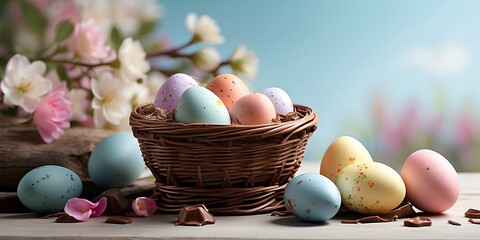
<point>79,208</point>
<point>144,206</point>
<point>99,207</point>
<point>190,21</point>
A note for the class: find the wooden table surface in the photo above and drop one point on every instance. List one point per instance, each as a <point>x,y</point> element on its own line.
<point>264,226</point>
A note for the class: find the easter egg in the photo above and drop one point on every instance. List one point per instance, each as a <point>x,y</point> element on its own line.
<point>169,93</point>
<point>228,87</point>
<point>199,105</point>
<point>312,197</point>
<point>343,151</point>
<point>370,188</point>
<point>116,161</point>
<point>432,182</point>
<point>254,108</point>
<point>48,188</point>
<point>280,99</point>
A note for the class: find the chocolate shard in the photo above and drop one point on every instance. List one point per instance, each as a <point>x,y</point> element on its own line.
<point>116,201</point>
<point>474,221</point>
<point>472,213</point>
<point>454,223</point>
<point>347,221</point>
<point>65,218</point>
<point>403,211</point>
<point>281,213</point>
<point>376,219</point>
<point>118,220</point>
<point>195,215</point>
<point>418,222</point>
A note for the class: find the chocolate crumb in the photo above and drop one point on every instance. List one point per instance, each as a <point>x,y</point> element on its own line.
<point>65,218</point>
<point>403,211</point>
<point>349,221</point>
<point>454,223</point>
<point>418,222</point>
<point>472,213</point>
<point>376,219</point>
<point>281,213</point>
<point>474,221</point>
<point>118,220</point>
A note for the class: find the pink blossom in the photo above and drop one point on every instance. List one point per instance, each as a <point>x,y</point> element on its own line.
<point>144,206</point>
<point>466,129</point>
<point>88,43</point>
<point>53,114</point>
<point>82,209</point>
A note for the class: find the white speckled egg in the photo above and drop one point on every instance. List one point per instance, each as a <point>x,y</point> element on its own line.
<point>280,99</point>
<point>48,188</point>
<point>200,105</point>
<point>371,187</point>
<point>312,197</point>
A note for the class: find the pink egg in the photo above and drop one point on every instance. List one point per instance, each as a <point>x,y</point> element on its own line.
<point>254,108</point>
<point>431,181</point>
<point>169,93</point>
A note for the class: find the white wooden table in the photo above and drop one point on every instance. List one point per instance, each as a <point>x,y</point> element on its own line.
<point>264,226</point>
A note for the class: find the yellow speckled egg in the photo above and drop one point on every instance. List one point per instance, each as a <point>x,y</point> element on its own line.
<point>370,188</point>
<point>229,88</point>
<point>341,153</point>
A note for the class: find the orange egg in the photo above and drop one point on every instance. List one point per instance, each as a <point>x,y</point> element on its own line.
<point>229,88</point>
<point>254,108</point>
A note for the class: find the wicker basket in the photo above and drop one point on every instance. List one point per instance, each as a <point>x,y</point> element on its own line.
<point>232,169</point>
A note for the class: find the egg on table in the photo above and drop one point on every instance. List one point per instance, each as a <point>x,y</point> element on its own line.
<point>170,91</point>
<point>48,188</point>
<point>370,187</point>
<point>228,87</point>
<point>252,109</point>
<point>116,161</point>
<point>280,99</point>
<point>312,197</point>
<point>342,152</point>
<point>432,182</point>
<point>199,105</point>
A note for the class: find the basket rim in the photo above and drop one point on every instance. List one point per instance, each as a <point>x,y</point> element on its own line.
<point>310,116</point>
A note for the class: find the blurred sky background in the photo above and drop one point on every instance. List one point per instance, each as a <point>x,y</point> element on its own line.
<point>370,69</point>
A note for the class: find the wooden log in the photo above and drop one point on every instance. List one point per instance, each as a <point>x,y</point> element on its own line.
<point>22,149</point>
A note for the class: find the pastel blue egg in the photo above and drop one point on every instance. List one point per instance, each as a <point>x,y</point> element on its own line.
<point>200,105</point>
<point>48,188</point>
<point>312,197</point>
<point>116,161</point>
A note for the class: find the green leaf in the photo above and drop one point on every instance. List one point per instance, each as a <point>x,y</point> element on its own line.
<point>62,73</point>
<point>146,28</point>
<point>64,30</point>
<point>115,38</point>
<point>34,18</point>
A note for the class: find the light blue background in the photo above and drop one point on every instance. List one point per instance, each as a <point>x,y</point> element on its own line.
<point>335,56</point>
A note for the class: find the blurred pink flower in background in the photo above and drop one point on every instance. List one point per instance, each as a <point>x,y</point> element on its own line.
<point>53,114</point>
<point>466,132</point>
<point>88,44</point>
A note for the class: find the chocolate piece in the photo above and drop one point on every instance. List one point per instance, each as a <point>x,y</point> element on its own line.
<point>347,221</point>
<point>375,219</point>
<point>118,220</point>
<point>418,222</point>
<point>195,215</point>
<point>403,211</point>
<point>281,213</point>
<point>454,223</point>
<point>472,213</point>
<point>116,201</point>
<point>65,218</point>
<point>57,214</point>
<point>474,221</point>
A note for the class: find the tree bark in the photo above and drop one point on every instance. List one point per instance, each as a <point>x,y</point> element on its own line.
<point>22,149</point>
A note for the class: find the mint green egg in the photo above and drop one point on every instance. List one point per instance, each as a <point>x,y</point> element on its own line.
<point>199,105</point>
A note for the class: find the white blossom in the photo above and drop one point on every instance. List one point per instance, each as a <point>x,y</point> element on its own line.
<point>206,59</point>
<point>24,84</point>
<point>204,29</point>
<point>80,103</point>
<point>244,61</point>
<point>111,102</point>
<point>133,62</point>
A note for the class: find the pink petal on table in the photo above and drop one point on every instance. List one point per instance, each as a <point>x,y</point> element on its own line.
<point>81,209</point>
<point>144,206</point>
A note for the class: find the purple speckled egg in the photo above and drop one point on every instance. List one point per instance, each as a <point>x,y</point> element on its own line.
<point>280,99</point>
<point>168,95</point>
